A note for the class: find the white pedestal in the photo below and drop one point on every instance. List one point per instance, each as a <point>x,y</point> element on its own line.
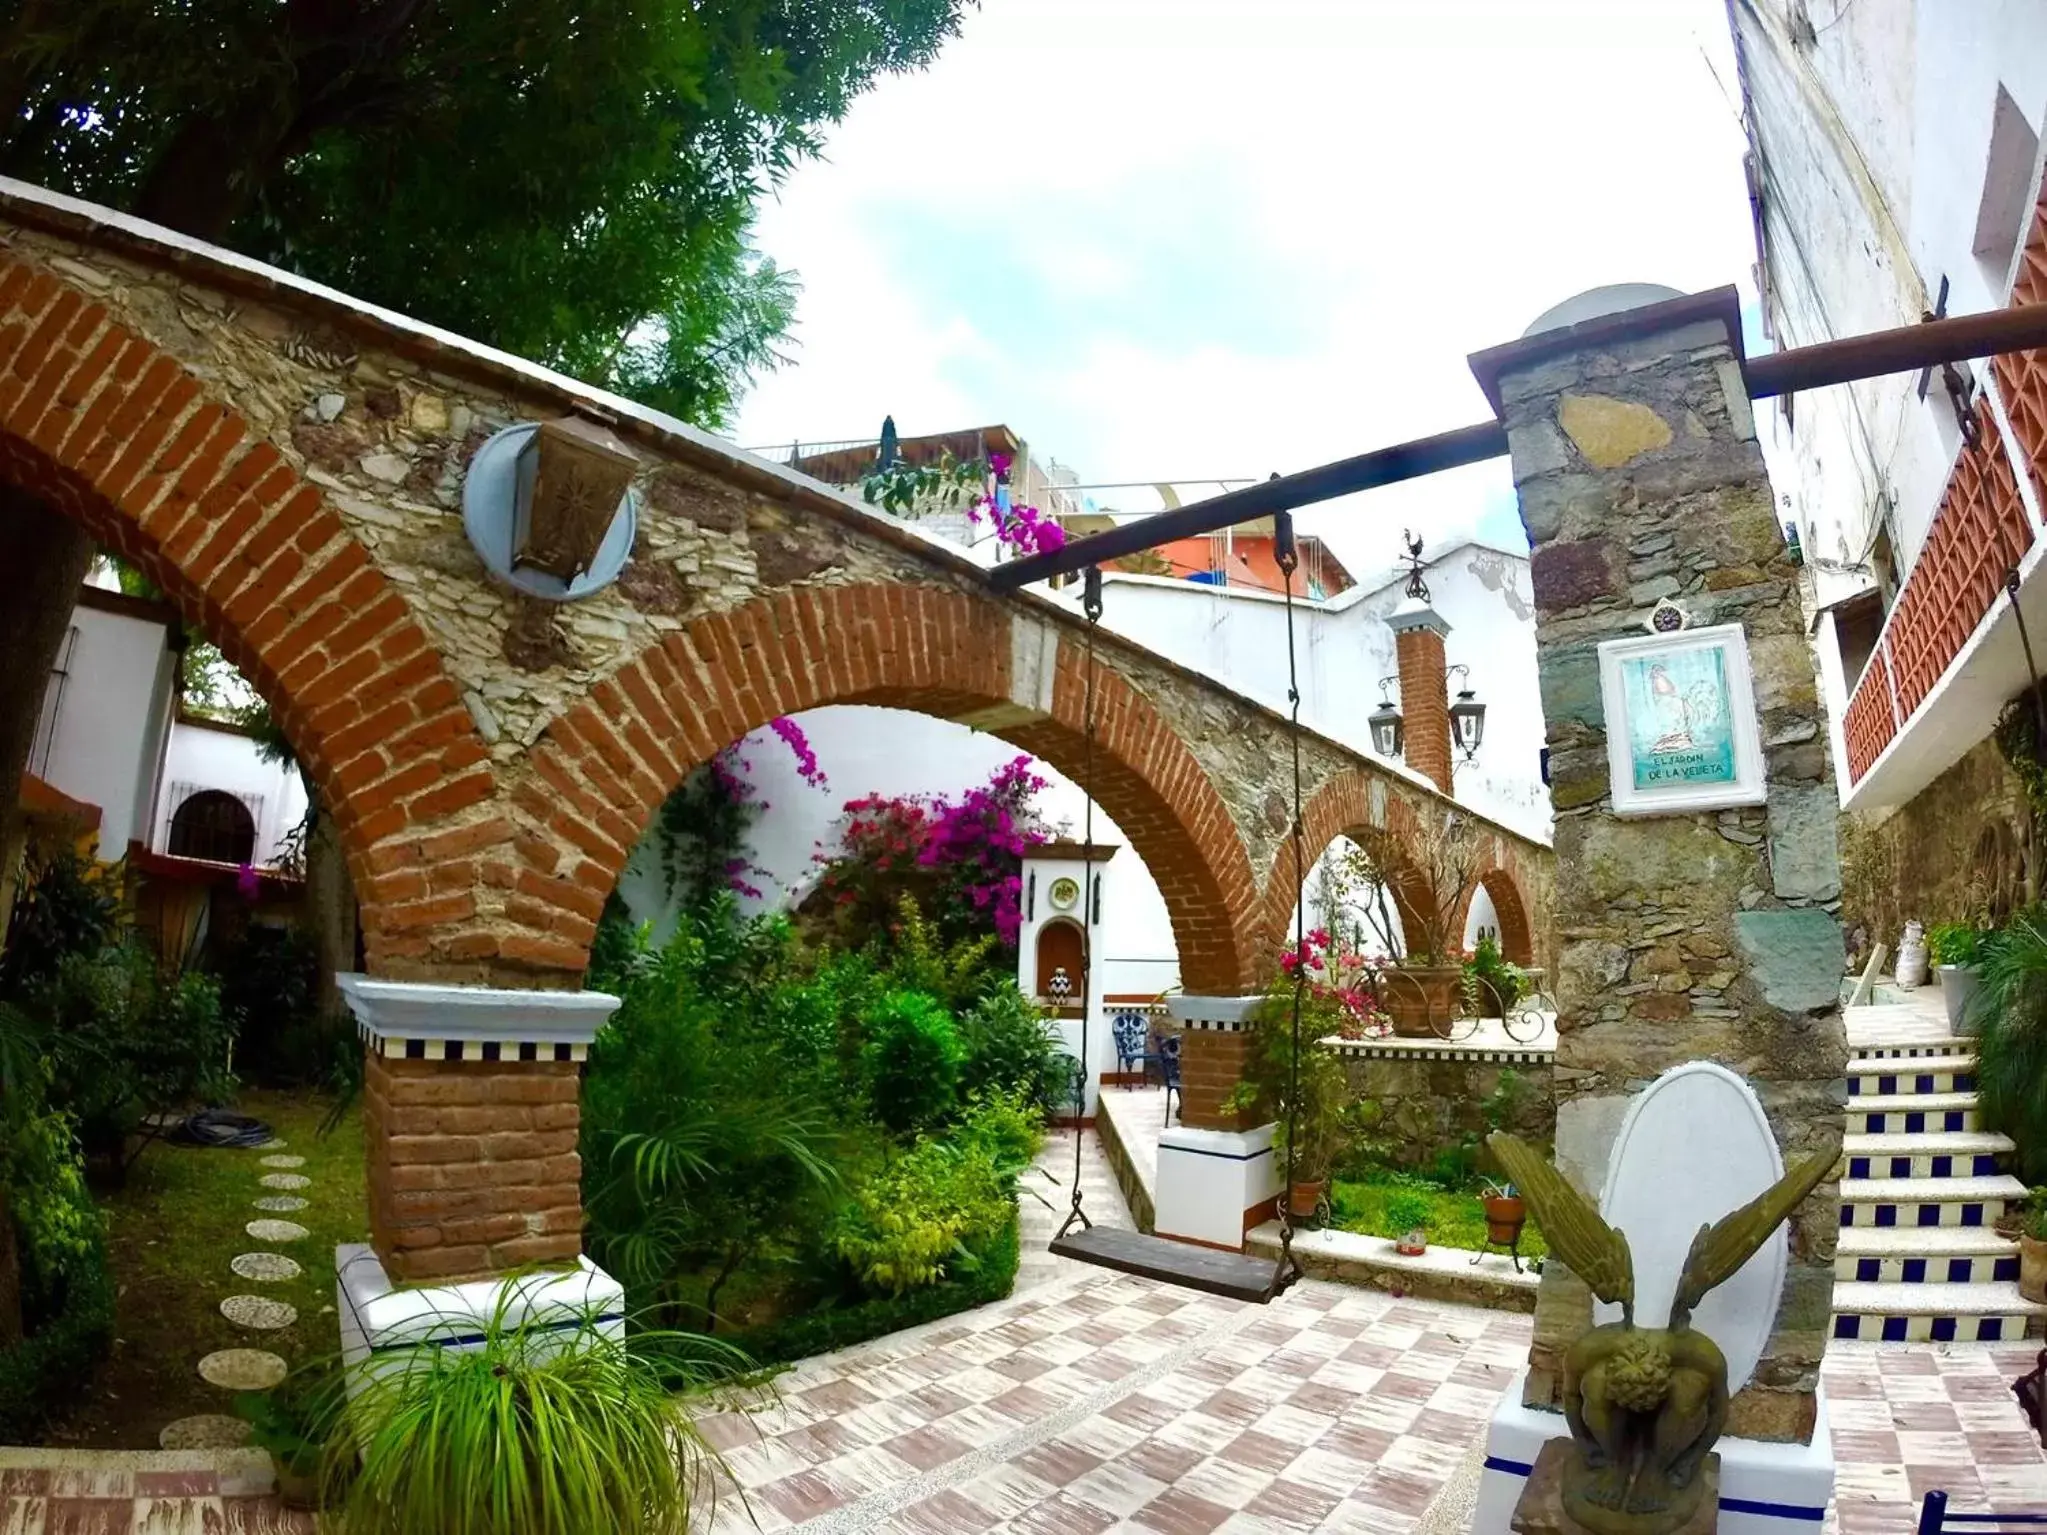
<point>1765,1488</point>
<point>380,1322</point>
<point>1213,1183</point>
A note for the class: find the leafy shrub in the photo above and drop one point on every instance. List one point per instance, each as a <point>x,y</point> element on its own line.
<point>67,907</point>
<point>123,1041</point>
<point>987,1273</point>
<point>911,1061</point>
<point>1492,983</point>
<point>56,1360</point>
<point>924,1213</point>
<point>915,955</point>
<point>1008,1127</point>
<point>1013,1048</point>
<point>269,994</point>
<point>2010,1009</point>
<point>1955,943</point>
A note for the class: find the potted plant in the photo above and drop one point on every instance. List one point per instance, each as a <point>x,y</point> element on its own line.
<point>1492,982</point>
<point>1956,949</point>
<point>1429,877</point>
<point>1505,1213</point>
<point>1407,1212</point>
<point>2033,1248</point>
<point>296,1424</point>
<point>1308,1099</point>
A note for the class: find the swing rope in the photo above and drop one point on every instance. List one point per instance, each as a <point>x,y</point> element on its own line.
<point>1091,604</point>
<point>1286,556</point>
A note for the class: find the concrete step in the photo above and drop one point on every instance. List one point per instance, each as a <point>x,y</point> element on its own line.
<point>1875,1076</point>
<point>1930,1255</point>
<point>1934,1154</point>
<point>1922,1202</point>
<point>1985,1312</point>
<point>1912,1113</point>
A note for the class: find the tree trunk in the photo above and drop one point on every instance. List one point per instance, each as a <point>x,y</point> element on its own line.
<point>10,1276</point>
<point>45,556</point>
<point>330,910</point>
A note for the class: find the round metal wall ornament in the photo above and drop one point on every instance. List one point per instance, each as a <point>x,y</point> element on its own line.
<point>1668,618</point>
<point>1065,893</point>
<point>499,483</point>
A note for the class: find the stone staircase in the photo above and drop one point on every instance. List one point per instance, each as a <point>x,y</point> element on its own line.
<point>1920,1257</point>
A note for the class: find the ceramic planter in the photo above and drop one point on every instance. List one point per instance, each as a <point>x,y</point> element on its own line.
<point>1413,1245</point>
<point>1504,1217</point>
<point>2033,1268</point>
<point>1957,986</point>
<point>1422,1001</point>
<point>1304,1198</point>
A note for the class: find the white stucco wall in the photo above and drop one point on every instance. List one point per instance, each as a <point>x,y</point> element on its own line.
<point>202,757</point>
<point>1875,145</point>
<point>104,719</point>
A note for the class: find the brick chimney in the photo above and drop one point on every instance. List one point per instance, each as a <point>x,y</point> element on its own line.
<point>1418,633</point>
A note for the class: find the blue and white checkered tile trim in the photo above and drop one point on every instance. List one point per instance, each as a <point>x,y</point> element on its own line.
<point>1873,1084</point>
<point>1908,1121</point>
<point>1872,1327</point>
<point>1917,1052</point>
<point>1372,1050</point>
<point>1979,1268</point>
<point>1976,1165</point>
<point>474,1049</point>
<point>1948,1212</point>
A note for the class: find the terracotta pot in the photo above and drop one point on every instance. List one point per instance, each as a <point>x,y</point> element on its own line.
<point>1422,1002</point>
<point>1504,1217</point>
<point>2033,1268</point>
<point>1303,1198</point>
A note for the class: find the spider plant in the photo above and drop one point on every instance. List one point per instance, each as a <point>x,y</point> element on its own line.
<point>2010,1010</point>
<point>542,1428</point>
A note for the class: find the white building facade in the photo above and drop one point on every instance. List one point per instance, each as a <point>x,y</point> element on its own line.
<point>1895,172</point>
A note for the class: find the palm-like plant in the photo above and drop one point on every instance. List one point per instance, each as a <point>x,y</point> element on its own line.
<point>2009,1009</point>
<point>539,1429</point>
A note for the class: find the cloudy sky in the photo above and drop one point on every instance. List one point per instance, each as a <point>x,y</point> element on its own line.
<point>1176,239</point>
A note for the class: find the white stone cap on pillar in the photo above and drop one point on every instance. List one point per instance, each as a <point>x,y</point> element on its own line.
<point>423,1020</point>
<point>1413,613</point>
<point>1227,1014</point>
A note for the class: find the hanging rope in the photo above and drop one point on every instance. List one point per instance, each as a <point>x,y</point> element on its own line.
<point>1284,553</point>
<point>1091,604</point>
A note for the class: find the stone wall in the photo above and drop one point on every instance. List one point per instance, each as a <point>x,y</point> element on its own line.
<point>1414,1106</point>
<point>1961,850</point>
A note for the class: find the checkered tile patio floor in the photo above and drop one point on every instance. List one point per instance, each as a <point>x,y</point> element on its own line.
<point>1093,1401</point>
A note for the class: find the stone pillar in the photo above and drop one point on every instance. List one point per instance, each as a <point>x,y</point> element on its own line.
<point>1680,936</point>
<point>471,1117</point>
<point>1418,634</point>
<point>1217,1176</point>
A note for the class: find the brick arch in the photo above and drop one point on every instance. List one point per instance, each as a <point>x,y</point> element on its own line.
<point>602,769</point>
<point>104,427</point>
<point>1517,935</point>
<point>1342,807</point>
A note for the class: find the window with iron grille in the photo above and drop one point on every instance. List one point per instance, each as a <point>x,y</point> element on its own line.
<point>214,825</point>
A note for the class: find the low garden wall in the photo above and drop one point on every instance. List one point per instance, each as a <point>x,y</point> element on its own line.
<point>1417,1102</point>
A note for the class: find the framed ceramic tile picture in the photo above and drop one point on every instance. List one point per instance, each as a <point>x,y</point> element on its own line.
<point>1681,731</point>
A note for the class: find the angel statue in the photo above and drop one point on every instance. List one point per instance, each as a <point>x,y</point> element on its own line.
<point>1645,1404</point>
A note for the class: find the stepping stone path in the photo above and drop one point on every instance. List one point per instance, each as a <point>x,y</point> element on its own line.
<point>205,1431</point>
<point>283,1161</point>
<point>277,1231</point>
<point>285,1181</point>
<point>279,1203</point>
<point>258,1312</point>
<point>266,1268</point>
<point>243,1369</point>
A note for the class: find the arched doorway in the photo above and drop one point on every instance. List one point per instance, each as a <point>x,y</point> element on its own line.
<point>212,825</point>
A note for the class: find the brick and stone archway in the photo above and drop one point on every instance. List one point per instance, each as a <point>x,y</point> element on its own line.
<point>601,770</point>
<point>105,427</point>
<point>290,466</point>
<point>1371,810</point>
<point>1501,882</point>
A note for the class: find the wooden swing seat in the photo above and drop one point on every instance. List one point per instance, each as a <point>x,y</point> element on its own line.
<point>1234,1276</point>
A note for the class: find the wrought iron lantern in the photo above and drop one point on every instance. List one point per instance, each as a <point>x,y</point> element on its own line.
<point>1467,717</point>
<point>1388,731</point>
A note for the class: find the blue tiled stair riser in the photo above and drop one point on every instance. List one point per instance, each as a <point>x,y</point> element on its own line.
<point>1908,1121</point>
<point>1979,1268</point>
<point>1886,1085</point>
<point>1981,1165</point>
<point>1936,1329</point>
<point>1946,1213</point>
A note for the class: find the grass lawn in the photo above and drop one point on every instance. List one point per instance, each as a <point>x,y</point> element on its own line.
<point>1455,1220</point>
<point>172,1231</point>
